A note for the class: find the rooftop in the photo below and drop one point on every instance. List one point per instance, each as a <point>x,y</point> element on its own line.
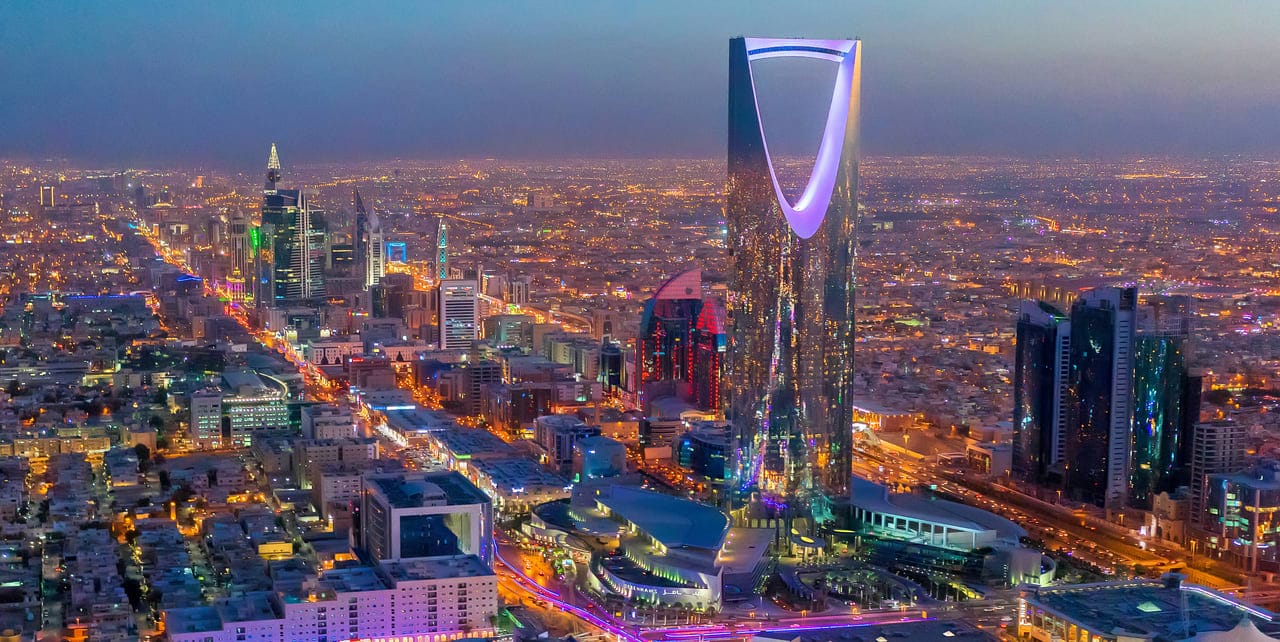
<point>588,444</point>
<point>561,422</point>
<point>436,568</point>
<point>514,473</point>
<point>409,490</point>
<point>940,630</point>
<point>1158,611</point>
<point>249,607</point>
<point>674,521</point>
<point>192,619</point>
<point>473,442</point>
<point>875,497</point>
<point>418,419</point>
<point>353,579</point>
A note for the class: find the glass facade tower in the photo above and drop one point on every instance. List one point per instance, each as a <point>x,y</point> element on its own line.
<point>681,343</point>
<point>291,263</point>
<point>790,363</point>
<point>1166,397</point>
<point>1041,372</point>
<point>1101,394</point>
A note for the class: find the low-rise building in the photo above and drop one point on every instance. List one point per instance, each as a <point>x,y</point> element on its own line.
<point>597,457</point>
<point>243,407</point>
<point>1140,611</point>
<point>431,600</point>
<point>517,484</point>
<point>556,435</point>
<point>328,421</point>
<point>310,454</point>
<point>410,515</point>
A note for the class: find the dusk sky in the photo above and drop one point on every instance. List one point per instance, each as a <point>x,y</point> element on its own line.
<point>216,82</point>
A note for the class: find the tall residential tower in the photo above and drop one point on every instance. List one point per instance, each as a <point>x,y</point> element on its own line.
<point>790,367</point>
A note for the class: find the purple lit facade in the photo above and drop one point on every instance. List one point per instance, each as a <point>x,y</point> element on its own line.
<point>790,362</point>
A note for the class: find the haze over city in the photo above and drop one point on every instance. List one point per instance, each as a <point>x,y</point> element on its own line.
<point>639,322</point>
<point>206,83</point>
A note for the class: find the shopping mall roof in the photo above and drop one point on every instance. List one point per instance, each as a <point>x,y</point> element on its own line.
<point>874,497</point>
<point>1149,610</point>
<point>674,521</point>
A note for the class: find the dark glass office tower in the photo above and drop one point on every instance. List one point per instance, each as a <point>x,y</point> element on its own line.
<point>359,230</point>
<point>1041,373</point>
<point>1101,396</point>
<point>1166,407</point>
<point>790,367</point>
<point>291,265</point>
<point>284,224</point>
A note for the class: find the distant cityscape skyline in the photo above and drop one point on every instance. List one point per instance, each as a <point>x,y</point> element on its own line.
<point>538,326</point>
<point>163,83</point>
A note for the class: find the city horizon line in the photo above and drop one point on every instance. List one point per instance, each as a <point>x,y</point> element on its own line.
<point>90,165</point>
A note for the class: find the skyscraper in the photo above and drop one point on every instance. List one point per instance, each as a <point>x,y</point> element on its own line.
<point>292,245</point>
<point>239,243</point>
<point>680,346</point>
<point>360,230</point>
<point>1101,396</point>
<point>370,244</point>
<point>664,350</point>
<point>1166,397</point>
<point>1041,375</point>
<point>1105,402</point>
<point>442,251</point>
<point>790,366</point>
<point>1217,447</point>
<point>318,246</point>
<point>459,313</point>
<point>710,341</point>
<point>273,170</point>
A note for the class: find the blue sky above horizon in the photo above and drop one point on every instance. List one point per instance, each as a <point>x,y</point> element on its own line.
<point>215,82</point>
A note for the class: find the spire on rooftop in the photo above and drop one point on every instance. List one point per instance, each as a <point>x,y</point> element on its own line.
<point>273,170</point>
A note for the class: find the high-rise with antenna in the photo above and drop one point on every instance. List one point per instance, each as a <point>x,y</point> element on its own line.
<point>442,252</point>
<point>290,261</point>
<point>273,170</point>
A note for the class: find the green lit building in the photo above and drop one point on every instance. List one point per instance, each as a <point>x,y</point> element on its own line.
<point>1166,408</point>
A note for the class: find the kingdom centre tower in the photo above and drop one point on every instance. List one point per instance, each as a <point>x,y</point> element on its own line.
<point>790,365</point>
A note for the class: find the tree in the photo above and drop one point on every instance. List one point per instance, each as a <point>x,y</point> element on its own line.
<point>157,422</point>
<point>133,590</point>
<point>144,457</point>
<point>1218,397</point>
<point>183,494</point>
